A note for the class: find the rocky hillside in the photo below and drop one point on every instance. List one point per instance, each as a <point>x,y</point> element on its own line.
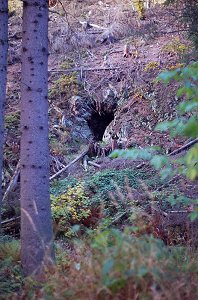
<point>103,64</point>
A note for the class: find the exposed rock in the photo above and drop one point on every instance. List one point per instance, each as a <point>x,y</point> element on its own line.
<point>80,107</point>
<point>81,130</point>
<point>91,119</point>
<point>110,100</point>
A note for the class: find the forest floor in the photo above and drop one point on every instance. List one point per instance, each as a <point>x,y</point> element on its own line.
<point>102,98</point>
<point>121,93</point>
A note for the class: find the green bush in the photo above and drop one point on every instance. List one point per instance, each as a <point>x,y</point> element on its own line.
<point>106,181</point>
<point>10,269</point>
<point>115,264</point>
<point>145,261</point>
<point>70,208</point>
<point>105,194</point>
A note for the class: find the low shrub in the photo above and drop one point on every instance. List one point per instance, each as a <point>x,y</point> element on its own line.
<point>70,208</point>
<point>10,270</point>
<point>185,124</point>
<point>117,265</point>
<point>106,195</point>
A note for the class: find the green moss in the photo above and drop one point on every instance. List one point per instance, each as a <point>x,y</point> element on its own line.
<point>175,47</point>
<point>59,187</point>
<point>66,86</point>
<point>67,64</point>
<point>92,193</point>
<point>106,181</point>
<point>152,65</point>
<point>12,120</point>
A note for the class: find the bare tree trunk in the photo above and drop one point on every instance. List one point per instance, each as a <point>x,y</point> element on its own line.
<point>36,224</point>
<point>3,78</point>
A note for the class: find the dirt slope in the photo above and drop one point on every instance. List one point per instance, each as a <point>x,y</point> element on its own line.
<point>107,95</point>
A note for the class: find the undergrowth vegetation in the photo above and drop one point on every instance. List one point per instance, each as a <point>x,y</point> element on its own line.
<point>175,46</point>
<point>65,86</point>
<point>10,269</point>
<point>105,198</point>
<point>185,124</point>
<point>189,12</point>
<point>109,264</point>
<point>71,207</point>
<point>111,238</point>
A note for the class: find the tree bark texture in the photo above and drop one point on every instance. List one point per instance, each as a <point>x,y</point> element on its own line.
<point>3,78</point>
<point>36,225</point>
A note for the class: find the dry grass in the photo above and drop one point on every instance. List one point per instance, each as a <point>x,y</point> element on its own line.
<point>117,17</point>
<point>117,265</point>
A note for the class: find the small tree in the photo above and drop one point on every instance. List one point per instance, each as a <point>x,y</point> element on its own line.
<point>36,224</point>
<point>3,78</point>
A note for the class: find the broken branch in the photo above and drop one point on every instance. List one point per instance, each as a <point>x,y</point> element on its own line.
<point>10,220</point>
<point>70,164</point>
<point>188,145</point>
<point>84,69</point>
<point>90,25</point>
<point>93,164</point>
<point>13,182</point>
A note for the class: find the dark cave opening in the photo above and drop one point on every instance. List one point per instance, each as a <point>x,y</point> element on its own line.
<point>99,122</point>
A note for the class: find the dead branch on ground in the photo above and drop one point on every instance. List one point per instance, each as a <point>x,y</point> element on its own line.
<point>184,147</point>
<point>13,182</point>
<point>70,164</point>
<point>84,69</point>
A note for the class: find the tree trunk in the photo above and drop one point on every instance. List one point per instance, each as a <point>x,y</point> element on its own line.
<point>3,78</point>
<point>36,225</point>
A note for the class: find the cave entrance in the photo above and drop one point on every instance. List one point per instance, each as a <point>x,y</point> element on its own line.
<point>99,122</point>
